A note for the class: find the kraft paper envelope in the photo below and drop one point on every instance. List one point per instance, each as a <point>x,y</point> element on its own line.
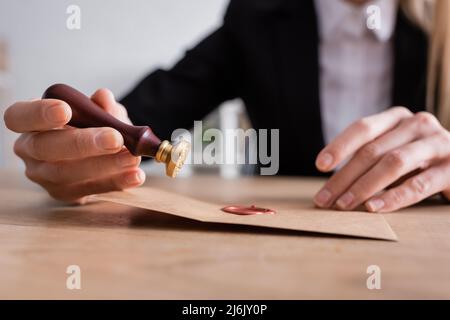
<point>305,218</point>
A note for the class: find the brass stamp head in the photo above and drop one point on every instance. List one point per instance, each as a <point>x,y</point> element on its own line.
<point>173,156</point>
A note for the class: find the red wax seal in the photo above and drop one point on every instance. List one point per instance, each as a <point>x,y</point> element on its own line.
<point>246,211</point>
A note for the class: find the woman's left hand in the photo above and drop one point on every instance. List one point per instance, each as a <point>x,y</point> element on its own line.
<point>397,159</point>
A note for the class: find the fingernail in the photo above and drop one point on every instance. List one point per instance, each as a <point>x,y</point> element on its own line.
<point>135,178</point>
<point>324,161</point>
<point>111,95</point>
<point>322,197</point>
<point>109,139</point>
<point>127,160</point>
<point>57,114</point>
<point>345,201</point>
<point>375,205</point>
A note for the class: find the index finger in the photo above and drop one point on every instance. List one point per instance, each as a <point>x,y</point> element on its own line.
<point>357,135</point>
<point>37,115</point>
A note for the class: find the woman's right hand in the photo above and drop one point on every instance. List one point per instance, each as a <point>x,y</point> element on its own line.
<point>72,163</point>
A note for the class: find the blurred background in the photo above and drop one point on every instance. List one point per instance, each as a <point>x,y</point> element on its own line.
<point>119,42</point>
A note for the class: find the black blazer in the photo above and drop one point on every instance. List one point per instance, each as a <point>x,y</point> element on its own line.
<point>266,52</point>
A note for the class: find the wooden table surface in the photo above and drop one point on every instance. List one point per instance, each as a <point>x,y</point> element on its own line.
<point>131,253</point>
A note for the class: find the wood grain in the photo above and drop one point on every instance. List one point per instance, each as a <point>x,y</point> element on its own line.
<point>126,253</point>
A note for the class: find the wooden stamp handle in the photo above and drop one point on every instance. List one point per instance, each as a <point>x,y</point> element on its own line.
<point>139,140</point>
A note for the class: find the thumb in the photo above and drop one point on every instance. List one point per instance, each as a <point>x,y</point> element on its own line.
<point>105,99</point>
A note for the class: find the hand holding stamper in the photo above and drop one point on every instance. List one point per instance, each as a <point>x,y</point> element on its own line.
<point>139,140</point>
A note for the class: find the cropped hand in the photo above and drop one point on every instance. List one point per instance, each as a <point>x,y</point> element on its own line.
<point>395,159</point>
<point>72,163</point>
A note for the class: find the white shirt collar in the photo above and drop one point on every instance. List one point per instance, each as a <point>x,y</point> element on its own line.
<point>340,16</point>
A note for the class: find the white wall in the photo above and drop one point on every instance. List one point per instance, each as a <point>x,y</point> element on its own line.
<point>119,42</point>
